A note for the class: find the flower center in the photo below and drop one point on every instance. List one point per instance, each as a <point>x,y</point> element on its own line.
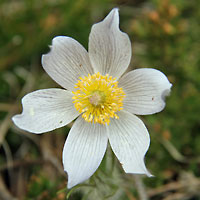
<point>98,98</point>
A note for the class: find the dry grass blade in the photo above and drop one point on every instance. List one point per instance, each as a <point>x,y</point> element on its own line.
<point>4,193</point>
<point>187,186</point>
<point>5,125</point>
<point>140,187</point>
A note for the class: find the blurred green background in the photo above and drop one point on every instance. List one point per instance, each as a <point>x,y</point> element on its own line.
<point>165,35</point>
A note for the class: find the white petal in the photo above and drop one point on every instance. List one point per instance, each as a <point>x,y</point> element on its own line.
<point>130,141</point>
<point>46,110</point>
<point>145,91</point>
<point>66,62</point>
<point>109,48</point>
<point>83,151</point>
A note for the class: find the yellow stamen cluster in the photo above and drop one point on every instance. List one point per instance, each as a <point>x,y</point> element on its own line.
<point>98,98</point>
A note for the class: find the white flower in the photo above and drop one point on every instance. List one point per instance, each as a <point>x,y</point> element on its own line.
<point>104,102</point>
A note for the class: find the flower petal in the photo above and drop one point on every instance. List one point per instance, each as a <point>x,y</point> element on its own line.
<point>66,62</point>
<point>46,110</point>
<point>145,91</point>
<point>109,48</point>
<point>83,150</point>
<point>130,141</point>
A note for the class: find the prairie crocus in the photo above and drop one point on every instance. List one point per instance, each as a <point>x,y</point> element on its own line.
<point>103,101</point>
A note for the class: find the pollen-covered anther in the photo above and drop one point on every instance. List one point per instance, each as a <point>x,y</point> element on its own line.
<point>98,98</point>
